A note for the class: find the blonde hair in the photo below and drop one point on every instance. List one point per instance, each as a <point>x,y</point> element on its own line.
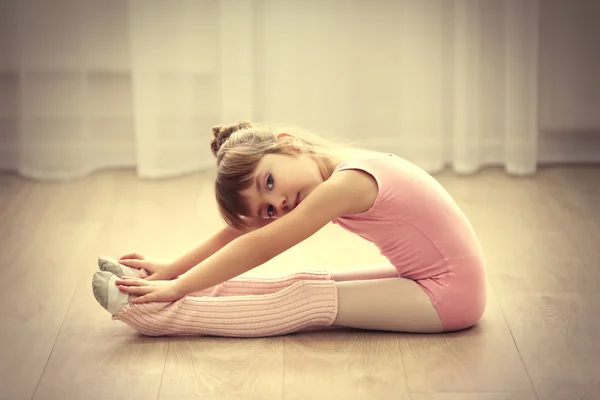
<point>238,149</point>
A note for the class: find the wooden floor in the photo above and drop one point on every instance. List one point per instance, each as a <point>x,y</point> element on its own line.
<point>539,338</point>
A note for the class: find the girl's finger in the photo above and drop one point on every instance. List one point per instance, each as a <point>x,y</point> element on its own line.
<point>131,281</point>
<point>143,299</point>
<point>132,255</point>
<point>133,263</point>
<point>139,290</point>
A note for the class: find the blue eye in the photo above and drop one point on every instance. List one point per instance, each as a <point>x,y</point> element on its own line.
<point>270,182</point>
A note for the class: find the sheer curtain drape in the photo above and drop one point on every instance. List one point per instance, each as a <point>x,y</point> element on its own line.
<point>86,85</point>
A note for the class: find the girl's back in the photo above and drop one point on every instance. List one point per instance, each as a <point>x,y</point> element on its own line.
<point>413,220</point>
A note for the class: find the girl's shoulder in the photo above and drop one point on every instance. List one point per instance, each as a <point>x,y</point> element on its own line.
<point>360,177</point>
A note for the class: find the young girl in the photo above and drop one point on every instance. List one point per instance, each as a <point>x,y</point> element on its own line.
<point>275,188</point>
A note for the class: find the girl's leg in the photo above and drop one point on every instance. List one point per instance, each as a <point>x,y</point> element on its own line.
<point>364,272</point>
<point>391,304</point>
<point>305,305</point>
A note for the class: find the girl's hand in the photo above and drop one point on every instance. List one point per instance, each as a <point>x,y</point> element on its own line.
<point>158,270</point>
<point>159,291</point>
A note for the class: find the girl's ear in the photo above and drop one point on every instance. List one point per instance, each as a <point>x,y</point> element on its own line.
<point>290,140</point>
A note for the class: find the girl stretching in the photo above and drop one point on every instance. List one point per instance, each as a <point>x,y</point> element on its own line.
<point>275,188</point>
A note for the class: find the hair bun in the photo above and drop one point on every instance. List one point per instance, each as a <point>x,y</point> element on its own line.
<point>221,133</point>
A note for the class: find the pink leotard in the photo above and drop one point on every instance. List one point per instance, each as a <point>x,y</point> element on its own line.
<point>420,229</point>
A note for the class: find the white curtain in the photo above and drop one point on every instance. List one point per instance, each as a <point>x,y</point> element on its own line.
<point>86,85</point>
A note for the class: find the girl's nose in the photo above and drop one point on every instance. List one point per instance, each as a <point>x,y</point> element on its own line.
<point>282,206</point>
<point>279,202</point>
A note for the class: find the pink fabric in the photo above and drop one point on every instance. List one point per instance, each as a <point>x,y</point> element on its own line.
<point>421,230</point>
<point>247,285</point>
<point>241,286</point>
<point>304,305</point>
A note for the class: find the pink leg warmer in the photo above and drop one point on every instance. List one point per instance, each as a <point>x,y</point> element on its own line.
<point>247,286</point>
<point>304,305</point>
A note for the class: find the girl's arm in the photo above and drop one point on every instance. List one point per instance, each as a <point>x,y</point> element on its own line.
<point>347,192</point>
<point>210,246</point>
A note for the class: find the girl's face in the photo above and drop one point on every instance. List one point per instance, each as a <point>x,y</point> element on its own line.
<point>281,182</point>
